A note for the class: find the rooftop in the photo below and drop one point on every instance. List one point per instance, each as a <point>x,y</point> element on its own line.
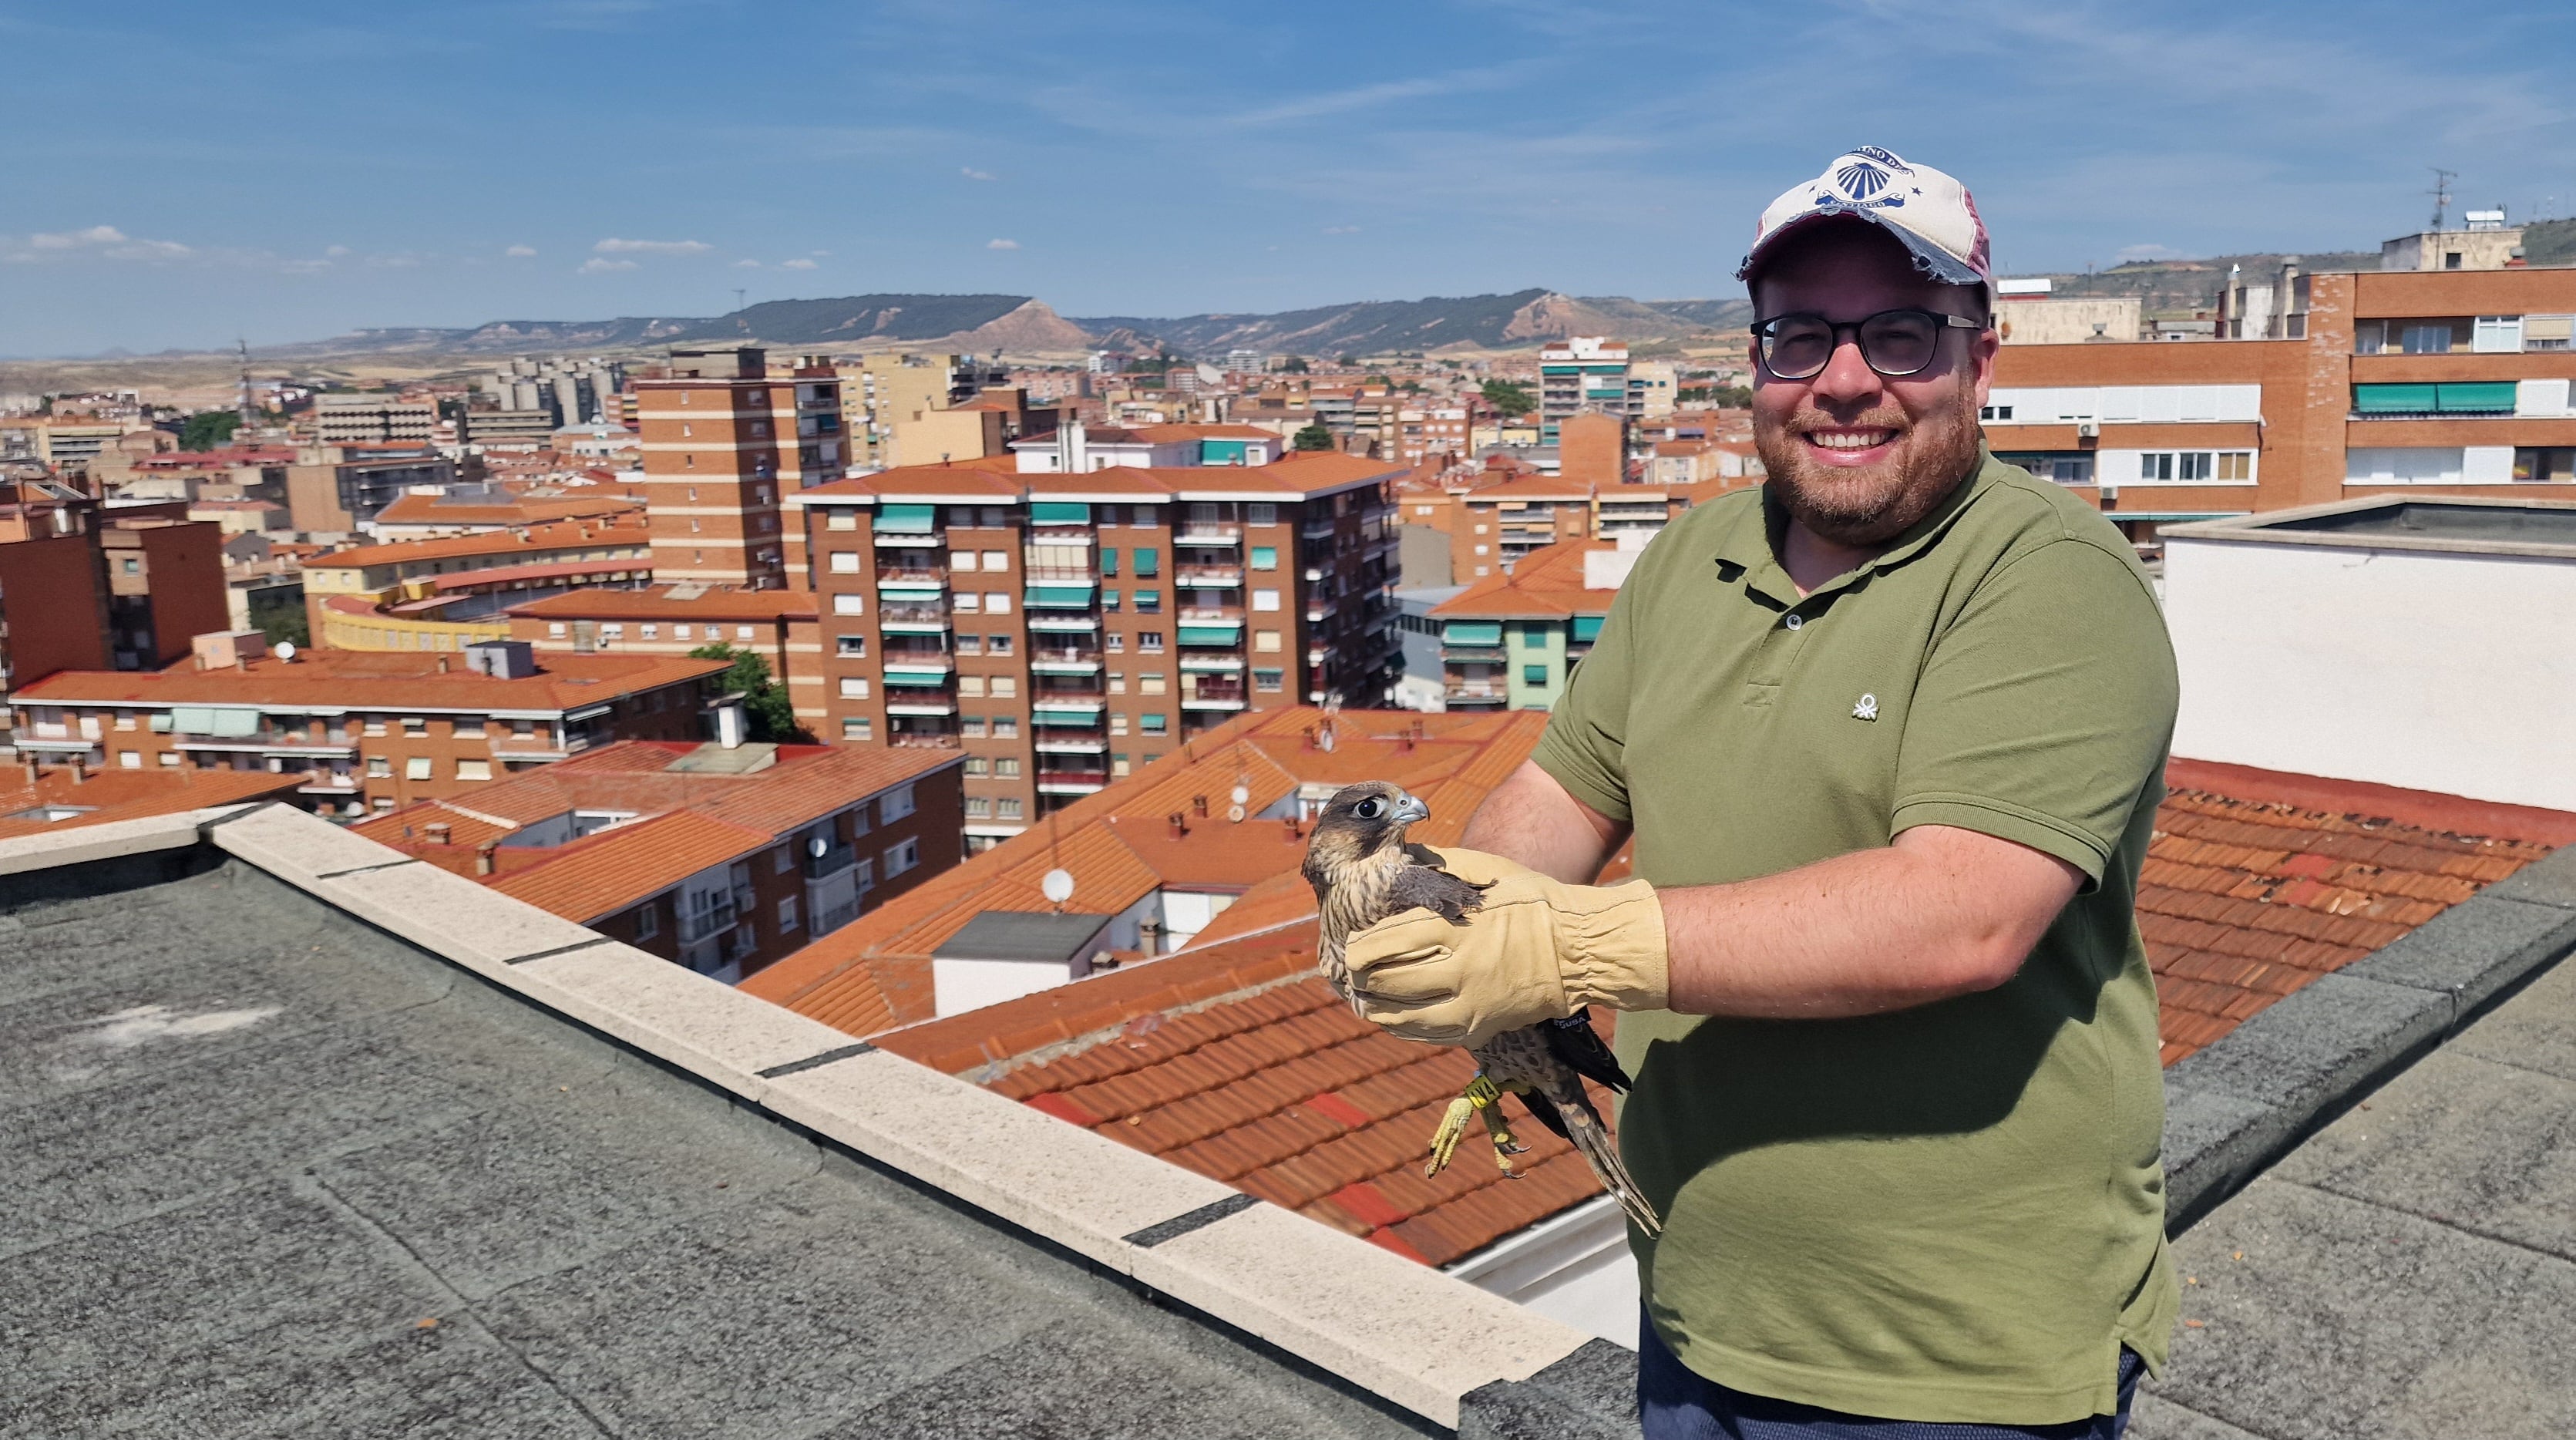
<point>672,602</point>
<point>488,507</point>
<point>626,527</point>
<point>1547,583</point>
<point>335,681</point>
<point>2539,528</point>
<point>57,801</point>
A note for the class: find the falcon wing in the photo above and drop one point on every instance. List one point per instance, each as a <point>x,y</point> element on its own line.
<point>1578,1046</point>
<point>1437,891</point>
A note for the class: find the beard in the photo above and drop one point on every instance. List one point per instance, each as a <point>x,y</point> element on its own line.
<point>1872,504</point>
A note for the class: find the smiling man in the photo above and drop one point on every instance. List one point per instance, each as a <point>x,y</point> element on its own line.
<point>1889,736</point>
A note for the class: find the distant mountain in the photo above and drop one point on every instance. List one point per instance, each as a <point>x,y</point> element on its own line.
<point>1522,319</point>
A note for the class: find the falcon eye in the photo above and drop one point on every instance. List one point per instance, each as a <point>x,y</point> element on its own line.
<point>1369,809</point>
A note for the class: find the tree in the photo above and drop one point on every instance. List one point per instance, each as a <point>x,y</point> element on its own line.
<point>1349,360</point>
<point>766,710</point>
<point>1508,399</point>
<point>1296,366</point>
<point>1313,437</point>
<point>208,429</point>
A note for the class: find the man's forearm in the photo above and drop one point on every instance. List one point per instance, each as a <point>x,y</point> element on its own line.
<point>1939,914</point>
<point>1531,819</point>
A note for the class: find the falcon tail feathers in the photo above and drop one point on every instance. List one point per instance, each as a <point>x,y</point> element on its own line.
<point>1578,1124</point>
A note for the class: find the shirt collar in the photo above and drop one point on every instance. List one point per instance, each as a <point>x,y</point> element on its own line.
<point>1751,547</point>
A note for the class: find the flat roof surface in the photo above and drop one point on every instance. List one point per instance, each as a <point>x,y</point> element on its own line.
<point>273,1172</point>
<point>2437,520</point>
<point>1023,935</point>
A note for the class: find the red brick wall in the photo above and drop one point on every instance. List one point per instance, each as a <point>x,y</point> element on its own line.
<point>51,593</point>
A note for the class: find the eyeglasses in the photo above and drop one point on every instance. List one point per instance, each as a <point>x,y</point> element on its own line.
<point>1894,342</point>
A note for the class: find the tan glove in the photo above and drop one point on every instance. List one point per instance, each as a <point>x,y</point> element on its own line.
<point>1538,949</point>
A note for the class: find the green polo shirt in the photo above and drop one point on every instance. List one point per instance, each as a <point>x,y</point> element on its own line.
<point>1954,1212</point>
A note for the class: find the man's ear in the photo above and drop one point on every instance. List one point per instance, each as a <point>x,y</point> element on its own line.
<point>1981,355</point>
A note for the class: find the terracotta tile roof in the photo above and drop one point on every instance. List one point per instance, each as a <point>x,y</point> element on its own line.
<point>1532,487</point>
<point>383,680</point>
<point>624,528</point>
<point>2258,882</point>
<point>672,602</point>
<point>1118,844</point>
<point>132,795</point>
<point>528,509</point>
<point>1547,583</point>
<point>595,877</point>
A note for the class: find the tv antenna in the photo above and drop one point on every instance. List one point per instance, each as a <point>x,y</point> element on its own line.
<point>242,408</point>
<point>2441,193</point>
<point>738,293</point>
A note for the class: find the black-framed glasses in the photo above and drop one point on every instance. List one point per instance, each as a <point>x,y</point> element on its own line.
<point>1896,343</point>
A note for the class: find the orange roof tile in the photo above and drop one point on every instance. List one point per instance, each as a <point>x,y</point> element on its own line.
<point>624,528</point>
<point>659,602</point>
<point>526,510</point>
<point>333,680</point>
<point>1547,583</point>
<point>606,872</point>
<point>107,795</point>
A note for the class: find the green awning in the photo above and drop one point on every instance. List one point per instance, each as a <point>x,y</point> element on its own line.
<point>1085,715</point>
<point>2486,396</point>
<point>916,677</point>
<point>193,719</point>
<point>911,519</point>
<point>233,724</point>
<point>1472,632</point>
<point>908,590</point>
<point>1058,597</point>
<point>1587,628</point>
<point>1060,512</point>
<point>2393,399</point>
<point>1228,633</point>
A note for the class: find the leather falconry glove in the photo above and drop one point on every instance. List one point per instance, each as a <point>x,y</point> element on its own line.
<point>1537,949</point>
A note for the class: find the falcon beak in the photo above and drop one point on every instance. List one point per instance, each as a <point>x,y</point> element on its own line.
<point>1408,810</point>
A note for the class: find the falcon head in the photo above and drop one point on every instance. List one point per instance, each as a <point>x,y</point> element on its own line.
<point>1360,822</point>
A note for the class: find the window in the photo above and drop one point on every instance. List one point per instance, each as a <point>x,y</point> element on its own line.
<point>2235,465</point>
<point>1531,639</point>
<point>1265,642</point>
<point>899,858</point>
<point>1149,562</point>
<point>1006,768</point>
<point>1995,412</point>
<point>1152,724</point>
<point>1109,600</point>
<point>1116,644</point>
<point>782,858</point>
<point>854,647</point>
<point>1149,602</point>
<point>612,630</point>
<point>998,645</point>
<point>1533,674</point>
<point>648,919</point>
<point>971,726</point>
<point>997,602</point>
<point>840,519</point>
<point>2427,339</point>
<point>129,759</point>
<point>1261,512</point>
<point>967,602</point>
<point>652,631</point>
<point>1005,728</point>
<point>473,769</point>
<point>849,604</point>
<point>963,562</point>
<point>555,630</point>
<point>787,914</point>
<point>170,757</point>
<point>467,727</point>
<point>133,566</point>
<point>742,632</point>
<point>1265,557</point>
<point>1145,515</point>
<point>854,728</point>
<point>854,687</point>
<point>1117,722</point>
<point>1149,642</point>
<point>416,768</point>
<point>971,686</point>
<point>894,804</point>
<point>414,726</point>
<point>978,808</point>
<point>997,561</point>
<point>1150,683</point>
<point>2496,335</point>
<point>1005,687</point>
<point>1269,682</point>
<point>2551,462</point>
<point>1006,809</point>
<point>1117,682</point>
<point>845,562</point>
<point>1265,599</point>
<point>977,767</point>
<point>1109,563</point>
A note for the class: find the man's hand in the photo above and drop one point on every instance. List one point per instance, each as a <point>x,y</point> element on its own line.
<point>1538,949</point>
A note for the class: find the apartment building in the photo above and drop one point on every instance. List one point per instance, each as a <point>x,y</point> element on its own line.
<point>165,585</point>
<point>724,438</point>
<point>1511,641</point>
<point>440,594</point>
<point>879,392</point>
<point>2418,381</point>
<point>364,731</point>
<point>1064,629</point>
<point>777,625</point>
<point>337,489</point>
<point>1583,373</point>
<point>721,858</point>
<point>1074,448</point>
<point>482,509</point>
<point>366,419</point>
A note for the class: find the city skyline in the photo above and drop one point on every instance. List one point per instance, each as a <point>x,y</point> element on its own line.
<point>286,182</point>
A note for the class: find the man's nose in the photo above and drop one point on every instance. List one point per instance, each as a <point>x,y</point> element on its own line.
<point>1846,376</point>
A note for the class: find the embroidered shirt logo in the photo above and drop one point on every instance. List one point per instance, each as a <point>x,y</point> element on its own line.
<point>1866,708</point>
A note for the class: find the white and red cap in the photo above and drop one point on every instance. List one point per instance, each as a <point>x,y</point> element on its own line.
<point>1928,210</point>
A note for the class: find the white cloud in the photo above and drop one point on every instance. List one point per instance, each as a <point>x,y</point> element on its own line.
<point>1001,244</point>
<point>1341,229</point>
<point>520,252</point>
<point>109,242</point>
<point>652,247</point>
<point>76,239</point>
<point>596,266</point>
<point>335,251</point>
<point>971,173</point>
<point>746,264</point>
<point>797,264</point>
<point>2146,252</point>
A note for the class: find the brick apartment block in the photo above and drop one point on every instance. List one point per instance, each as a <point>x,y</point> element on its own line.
<point>724,438</point>
<point>777,625</point>
<point>364,730</point>
<point>1064,629</point>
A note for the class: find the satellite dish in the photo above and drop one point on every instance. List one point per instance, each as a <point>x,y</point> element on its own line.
<point>285,649</point>
<point>1057,887</point>
<point>816,846</point>
<point>1242,795</point>
<point>1234,813</point>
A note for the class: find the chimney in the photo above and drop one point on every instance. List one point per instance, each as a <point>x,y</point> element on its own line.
<point>483,864</point>
<point>80,771</point>
<point>1198,806</point>
<point>442,664</point>
<point>1179,822</point>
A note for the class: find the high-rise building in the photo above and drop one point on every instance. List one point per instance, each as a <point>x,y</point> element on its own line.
<point>724,439</point>
<point>1064,629</point>
<point>1583,373</point>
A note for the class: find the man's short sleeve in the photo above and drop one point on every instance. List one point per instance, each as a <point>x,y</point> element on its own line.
<point>2044,709</point>
<point>1585,747</point>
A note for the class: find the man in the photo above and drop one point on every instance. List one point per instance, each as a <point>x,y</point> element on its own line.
<point>1888,734</point>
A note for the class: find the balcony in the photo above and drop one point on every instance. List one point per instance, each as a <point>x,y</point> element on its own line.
<point>840,857</point>
<point>911,575</point>
<point>1476,692</point>
<point>714,920</point>
<point>1206,575</point>
<point>922,740</point>
<point>1316,530</point>
<point>1218,664</point>
<point>919,668</point>
<point>1071,745</point>
<point>898,619</point>
<point>1072,782</point>
<point>909,540</point>
<point>922,704</point>
<point>1064,662</point>
<point>1208,532</point>
<point>1059,620</point>
<point>1209,615</point>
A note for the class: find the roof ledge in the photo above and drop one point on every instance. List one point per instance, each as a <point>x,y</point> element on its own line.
<point>1415,1337</point>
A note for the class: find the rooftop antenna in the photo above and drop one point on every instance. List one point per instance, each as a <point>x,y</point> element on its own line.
<point>738,293</point>
<point>2441,193</point>
<point>241,409</point>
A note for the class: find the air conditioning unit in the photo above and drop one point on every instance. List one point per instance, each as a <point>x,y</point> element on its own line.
<point>2088,430</point>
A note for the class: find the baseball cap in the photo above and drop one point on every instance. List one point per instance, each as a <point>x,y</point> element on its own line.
<point>1926,209</point>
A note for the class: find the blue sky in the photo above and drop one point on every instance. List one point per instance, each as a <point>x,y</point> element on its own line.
<point>179,174</point>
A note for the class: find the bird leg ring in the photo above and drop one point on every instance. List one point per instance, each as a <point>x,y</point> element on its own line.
<point>1483,1100</point>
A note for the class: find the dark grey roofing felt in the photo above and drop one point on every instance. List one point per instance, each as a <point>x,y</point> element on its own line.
<point>1023,935</point>
<point>250,1150</point>
<point>2433,520</point>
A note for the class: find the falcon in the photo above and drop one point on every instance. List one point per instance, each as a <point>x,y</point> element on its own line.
<point>1363,871</point>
